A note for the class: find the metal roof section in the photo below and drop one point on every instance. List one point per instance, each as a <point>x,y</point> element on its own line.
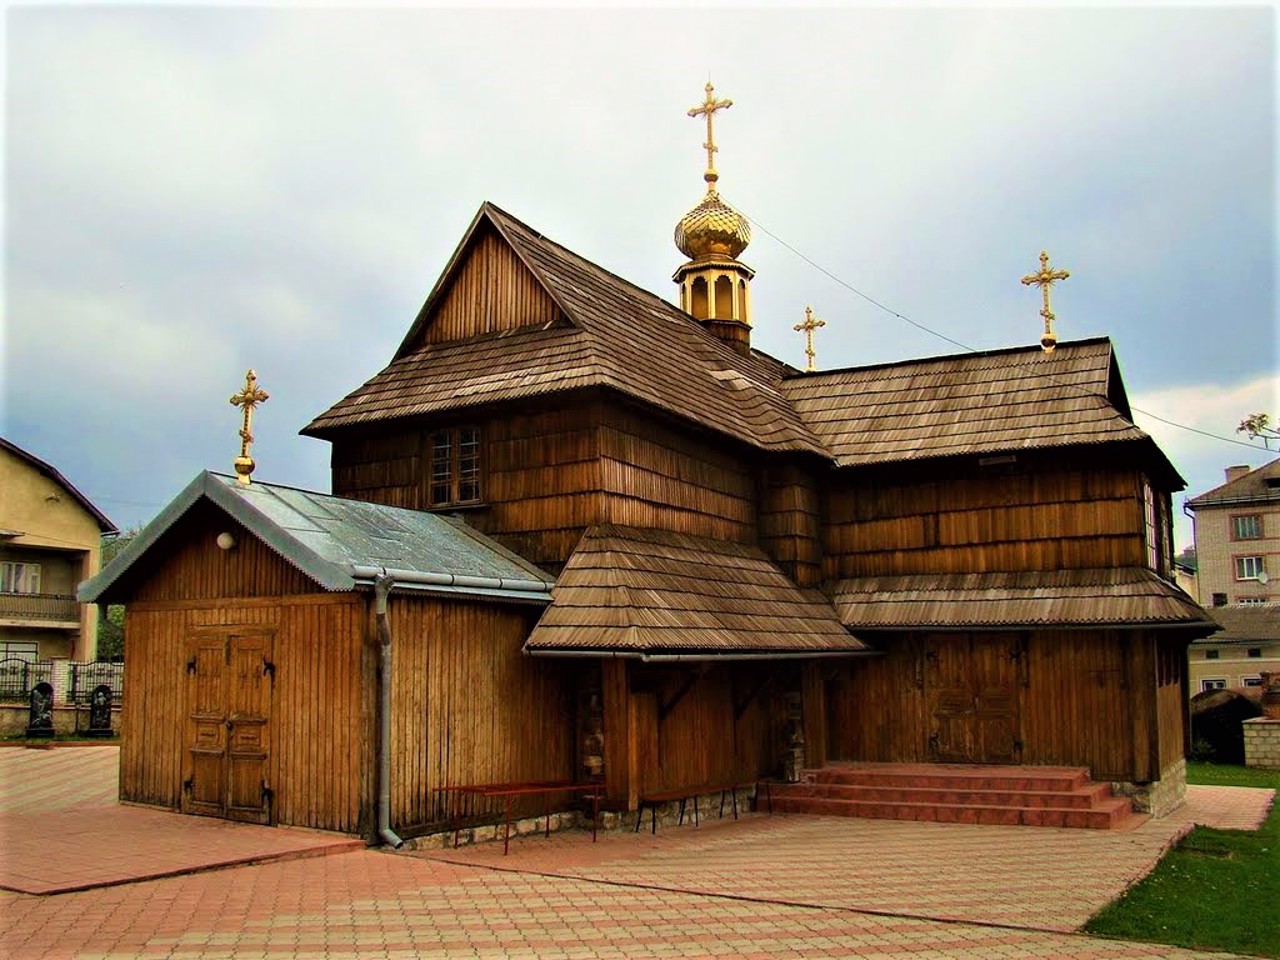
<point>345,544</point>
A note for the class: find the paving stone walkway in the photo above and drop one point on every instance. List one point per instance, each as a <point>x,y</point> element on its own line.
<point>370,903</point>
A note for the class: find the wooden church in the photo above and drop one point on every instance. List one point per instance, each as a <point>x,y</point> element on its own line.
<point>625,545</point>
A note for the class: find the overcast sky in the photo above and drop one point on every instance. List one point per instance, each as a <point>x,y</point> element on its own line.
<point>193,191</point>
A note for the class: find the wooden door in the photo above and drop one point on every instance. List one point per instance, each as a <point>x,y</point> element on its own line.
<point>229,681</point>
<point>972,698</point>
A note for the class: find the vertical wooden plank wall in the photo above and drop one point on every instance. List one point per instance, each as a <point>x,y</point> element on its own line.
<point>467,705</point>
<point>876,706</point>
<point>1171,702</point>
<point>1079,705</point>
<point>791,522</point>
<point>319,759</point>
<point>977,520</point>
<point>491,291</point>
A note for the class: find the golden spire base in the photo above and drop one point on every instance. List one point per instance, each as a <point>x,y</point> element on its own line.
<point>248,398</point>
<point>1045,279</point>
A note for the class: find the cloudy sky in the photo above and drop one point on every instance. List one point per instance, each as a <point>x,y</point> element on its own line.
<point>191,191</point>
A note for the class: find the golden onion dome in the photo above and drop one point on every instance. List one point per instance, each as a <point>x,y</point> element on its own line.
<point>712,228</point>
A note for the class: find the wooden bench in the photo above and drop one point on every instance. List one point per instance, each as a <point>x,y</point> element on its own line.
<point>509,791</point>
<point>684,795</point>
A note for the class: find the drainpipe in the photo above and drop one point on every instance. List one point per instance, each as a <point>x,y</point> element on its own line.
<point>381,588</point>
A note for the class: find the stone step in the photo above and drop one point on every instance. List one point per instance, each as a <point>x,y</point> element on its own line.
<point>1108,814</point>
<point>1079,798</point>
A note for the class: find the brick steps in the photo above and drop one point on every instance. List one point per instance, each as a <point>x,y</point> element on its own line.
<point>1028,796</point>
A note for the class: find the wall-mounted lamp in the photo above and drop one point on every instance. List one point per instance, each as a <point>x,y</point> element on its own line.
<point>226,541</point>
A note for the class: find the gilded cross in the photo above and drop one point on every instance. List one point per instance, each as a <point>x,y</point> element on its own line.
<point>811,323</point>
<point>1044,280</point>
<point>248,398</point>
<point>708,107</point>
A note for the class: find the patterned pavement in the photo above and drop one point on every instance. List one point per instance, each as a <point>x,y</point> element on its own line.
<point>369,903</point>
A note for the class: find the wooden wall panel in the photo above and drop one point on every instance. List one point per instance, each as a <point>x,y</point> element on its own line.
<point>187,564</point>
<point>382,465</point>
<point>319,745</point>
<point>1078,708</point>
<point>469,707</point>
<point>491,291</point>
<point>1171,702</point>
<point>875,705</point>
<point>654,475</point>
<point>791,521</point>
<point>1050,518</point>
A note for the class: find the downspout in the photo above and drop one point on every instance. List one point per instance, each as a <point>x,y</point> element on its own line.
<point>381,588</point>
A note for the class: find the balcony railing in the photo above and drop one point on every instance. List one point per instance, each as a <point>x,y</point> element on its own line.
<point>56,607</point>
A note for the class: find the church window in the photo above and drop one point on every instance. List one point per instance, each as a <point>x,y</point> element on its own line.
<point>455,466</point>
<point>19,577</point>
<point>1246,528</point>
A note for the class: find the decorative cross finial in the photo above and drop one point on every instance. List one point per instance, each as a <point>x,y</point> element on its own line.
<point>1044,280</point>
<point>708,107</point>
<point>248,398</point>
<point>811,323</point>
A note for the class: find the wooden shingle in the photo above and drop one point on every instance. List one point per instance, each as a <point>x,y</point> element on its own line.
<point>1124,596</point>
<point>652,593</point>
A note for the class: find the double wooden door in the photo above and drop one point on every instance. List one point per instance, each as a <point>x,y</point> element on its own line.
<point>228,718</point>
<point>973,697</point>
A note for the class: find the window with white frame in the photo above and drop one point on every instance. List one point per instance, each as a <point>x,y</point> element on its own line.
<point>18,577</point>
<point>1248,568</point>
<point>1246,527</point>
<point>1215,683</point>
<point>1251,681</point>
<point>1247,601</point>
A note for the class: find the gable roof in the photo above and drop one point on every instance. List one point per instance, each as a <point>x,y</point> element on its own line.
<point>105,525</point>
<point>619,337</point>
<point>657,595</point>
<point>344,544</point>
<point>1037,599</point>
<point>1261,484</point>
<point>972,403</point>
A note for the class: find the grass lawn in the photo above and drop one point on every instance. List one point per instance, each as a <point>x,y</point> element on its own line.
<point>1217,889</point>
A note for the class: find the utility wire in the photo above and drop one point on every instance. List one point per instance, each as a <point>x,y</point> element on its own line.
<point>964,346</point>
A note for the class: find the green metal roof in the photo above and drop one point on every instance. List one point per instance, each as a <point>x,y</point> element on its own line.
<point>344,544</point>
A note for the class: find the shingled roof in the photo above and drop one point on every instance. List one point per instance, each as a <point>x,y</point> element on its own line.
<point>1038,599</point>
<point>972,403</point>
<point>618,336</point>
<point>1260,484</point>
<point>655,595</point>
<point>1247,622</point>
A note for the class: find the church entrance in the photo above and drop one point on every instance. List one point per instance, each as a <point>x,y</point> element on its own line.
<point>227,741</point>
<point>972,702</point>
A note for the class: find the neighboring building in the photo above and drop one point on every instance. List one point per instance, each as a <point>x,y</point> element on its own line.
<point>1184,575</point>
<point>50,536</point>
<point>1237,534</point>
<point>1247,647</point>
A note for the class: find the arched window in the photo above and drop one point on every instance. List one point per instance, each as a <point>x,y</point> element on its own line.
<point>724,298</point>
<point>699,306</point>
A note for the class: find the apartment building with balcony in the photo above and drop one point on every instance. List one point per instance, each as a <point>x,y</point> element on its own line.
<point>1237,535</point>
<point>50,539</point>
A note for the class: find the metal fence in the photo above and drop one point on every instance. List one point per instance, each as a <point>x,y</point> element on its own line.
<point>82,678</point>
<point>19,677</point>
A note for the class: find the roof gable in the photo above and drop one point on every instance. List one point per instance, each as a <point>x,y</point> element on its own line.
<point>105,525</point>
<point>485,288</point>
<point>342,544</point>
<point>1261,484</point>
<point>618,336</point>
